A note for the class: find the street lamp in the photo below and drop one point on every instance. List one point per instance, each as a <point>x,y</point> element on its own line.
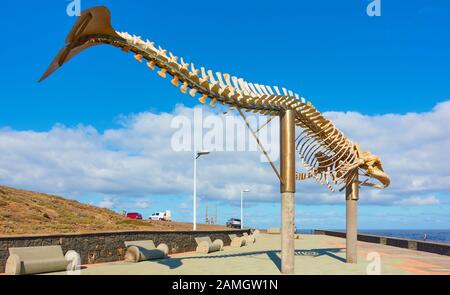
<point>245,190</point>
<point>196,156</point>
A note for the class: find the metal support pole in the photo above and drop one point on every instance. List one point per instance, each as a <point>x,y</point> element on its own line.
<point>194,221</point>
<point>287,167</point>
<point>242,209</point>
<point>260,145</point>
<point>352,196</point>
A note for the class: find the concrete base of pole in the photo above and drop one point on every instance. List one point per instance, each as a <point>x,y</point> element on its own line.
<point>352,232</point>
<point>287,233</point>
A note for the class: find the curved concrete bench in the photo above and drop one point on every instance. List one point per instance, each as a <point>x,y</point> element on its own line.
<point>34,260</point>
<point>250,238</point>
<point>205,245</point>
<point>237,242</point>
<point>144,250</point>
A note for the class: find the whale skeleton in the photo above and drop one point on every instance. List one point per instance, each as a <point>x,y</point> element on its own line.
<point>327,155</point>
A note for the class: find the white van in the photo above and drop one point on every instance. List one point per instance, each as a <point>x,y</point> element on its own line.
<point>161,216</point>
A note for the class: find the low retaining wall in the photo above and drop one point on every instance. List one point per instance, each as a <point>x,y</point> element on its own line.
<point>431,247</point>
<point>109,246</point>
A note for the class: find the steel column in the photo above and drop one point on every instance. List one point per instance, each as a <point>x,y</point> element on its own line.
<point>352,196</point>
<point>287,186</point>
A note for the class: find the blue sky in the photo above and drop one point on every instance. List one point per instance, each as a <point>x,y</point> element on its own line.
<point>329,51</point>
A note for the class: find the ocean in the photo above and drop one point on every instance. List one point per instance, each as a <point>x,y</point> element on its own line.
<point>432,235</point>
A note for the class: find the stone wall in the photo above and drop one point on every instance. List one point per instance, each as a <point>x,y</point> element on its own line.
<point>109,246</point>
<point>432,247</point>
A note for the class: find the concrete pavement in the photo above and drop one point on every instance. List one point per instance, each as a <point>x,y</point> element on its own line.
<point>315,254</point>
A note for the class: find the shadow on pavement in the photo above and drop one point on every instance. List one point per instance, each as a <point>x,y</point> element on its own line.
<point>330,252</point>
<point>272,254</point>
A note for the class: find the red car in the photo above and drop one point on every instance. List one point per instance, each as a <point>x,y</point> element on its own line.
<point>134,215</point>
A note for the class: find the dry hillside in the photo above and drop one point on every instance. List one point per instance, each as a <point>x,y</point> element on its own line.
<point>27,212</point>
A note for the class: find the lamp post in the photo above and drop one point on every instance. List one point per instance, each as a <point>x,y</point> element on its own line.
<point>245,190</point>
<point>196,156</point>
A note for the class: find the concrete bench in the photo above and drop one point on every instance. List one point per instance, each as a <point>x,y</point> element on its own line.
<point>144,250</point>
<point>34,260</point>
<point>237,242</point>
<point>205,245</point>
<point>250,238</point>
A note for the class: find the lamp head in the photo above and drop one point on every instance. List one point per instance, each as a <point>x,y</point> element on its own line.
<point>201,153</point>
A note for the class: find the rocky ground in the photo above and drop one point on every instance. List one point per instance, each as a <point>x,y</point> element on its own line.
<point>27,212</point>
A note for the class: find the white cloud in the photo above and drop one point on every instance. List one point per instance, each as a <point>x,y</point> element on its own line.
<point>136,160</point>
<point>419,201</point>
<point>142,204</point>
<point>107,202</point>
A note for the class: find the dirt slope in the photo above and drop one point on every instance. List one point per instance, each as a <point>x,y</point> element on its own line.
<point>27,212</point>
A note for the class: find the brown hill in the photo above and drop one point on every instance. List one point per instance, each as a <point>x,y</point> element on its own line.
<point>27,212</point>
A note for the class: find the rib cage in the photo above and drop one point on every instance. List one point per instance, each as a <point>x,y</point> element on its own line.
<point>326,153</point>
